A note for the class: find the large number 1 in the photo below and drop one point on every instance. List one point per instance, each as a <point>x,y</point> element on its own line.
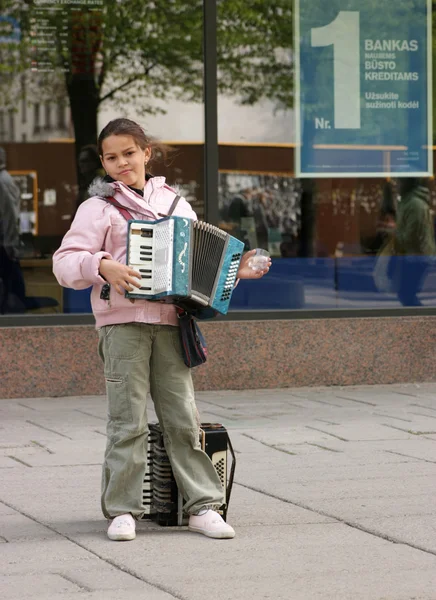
<point>344,34</point>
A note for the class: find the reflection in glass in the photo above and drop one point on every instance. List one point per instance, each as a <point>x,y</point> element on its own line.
<point>406,256</point>
<point>66,70</point>
<point>262,210</point>
<point>17,219</point>
<point>145,61</point>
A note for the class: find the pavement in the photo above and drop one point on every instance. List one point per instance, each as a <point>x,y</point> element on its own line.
<point>334,499</point>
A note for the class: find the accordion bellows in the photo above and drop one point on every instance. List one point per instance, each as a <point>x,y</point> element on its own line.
<point>187,262</point>
<point>162,500</point>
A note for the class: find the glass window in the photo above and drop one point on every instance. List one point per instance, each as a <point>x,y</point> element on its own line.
<point>61,121</point>
<point>23,100</point>
<point>36,118</point>
<point>47,123</point>
<point>73,68</point>
<point>11,125</point>
<point>329,171</point>
<point>3,134</point>
<point>317,164</point>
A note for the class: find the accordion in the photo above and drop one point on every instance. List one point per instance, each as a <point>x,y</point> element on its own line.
<point>185,262</point>
<point>161,498</point>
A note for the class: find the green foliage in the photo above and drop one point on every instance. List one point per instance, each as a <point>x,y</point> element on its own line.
<point>254,50</point>
<point>148,50</point>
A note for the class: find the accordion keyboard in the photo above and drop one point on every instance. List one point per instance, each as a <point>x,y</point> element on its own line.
<point>149,254</point>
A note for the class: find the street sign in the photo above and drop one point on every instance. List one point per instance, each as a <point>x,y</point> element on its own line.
<point>363,88</point>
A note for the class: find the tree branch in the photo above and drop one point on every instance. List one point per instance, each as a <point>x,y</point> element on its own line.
<point>120,87</point>
<point>126,84</point>
<point>101,75</point>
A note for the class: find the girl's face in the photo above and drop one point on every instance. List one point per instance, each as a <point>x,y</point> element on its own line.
<point>124,160</point>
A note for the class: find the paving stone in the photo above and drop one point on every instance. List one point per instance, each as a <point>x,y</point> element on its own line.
<point>18,528</point>
<point>42,556</point>
<point>9,463</point>
<point>311,510</point>
<point>19,587</point>
<point>107,577</point>
<point>264,562</point>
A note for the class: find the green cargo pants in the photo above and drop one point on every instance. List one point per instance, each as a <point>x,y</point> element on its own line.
<point>140,358</point>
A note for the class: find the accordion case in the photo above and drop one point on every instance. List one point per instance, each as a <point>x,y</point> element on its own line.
<point>185,262</point>
<point>162,499</point>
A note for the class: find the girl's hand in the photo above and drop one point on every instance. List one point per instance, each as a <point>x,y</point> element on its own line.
<point>121,277</point>
<point>246,272</point>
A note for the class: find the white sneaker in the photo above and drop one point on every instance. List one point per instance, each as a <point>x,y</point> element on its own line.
<point>212,525</point>
<point>122,529</point>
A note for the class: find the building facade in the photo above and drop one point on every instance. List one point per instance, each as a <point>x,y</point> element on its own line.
<point>243,102</point>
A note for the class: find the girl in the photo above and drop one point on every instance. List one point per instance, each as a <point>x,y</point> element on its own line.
<point>138,341</point>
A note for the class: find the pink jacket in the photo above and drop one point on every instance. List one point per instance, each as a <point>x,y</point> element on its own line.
<point>100,231</point>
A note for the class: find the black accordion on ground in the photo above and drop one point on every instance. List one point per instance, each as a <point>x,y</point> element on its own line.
<point>161,497</point>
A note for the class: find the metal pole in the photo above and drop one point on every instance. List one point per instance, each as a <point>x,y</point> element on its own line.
<point>211,159</point>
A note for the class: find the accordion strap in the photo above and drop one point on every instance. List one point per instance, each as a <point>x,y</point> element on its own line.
<point>127,215</point>
<point>173,205</point>
<point>122,209</point>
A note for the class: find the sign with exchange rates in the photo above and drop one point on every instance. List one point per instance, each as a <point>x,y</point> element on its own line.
<point>363,88</point>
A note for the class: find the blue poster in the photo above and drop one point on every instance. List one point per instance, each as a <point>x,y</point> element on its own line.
<point>363,88</point>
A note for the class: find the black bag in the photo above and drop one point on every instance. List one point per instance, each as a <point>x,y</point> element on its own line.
<point>194,348</point>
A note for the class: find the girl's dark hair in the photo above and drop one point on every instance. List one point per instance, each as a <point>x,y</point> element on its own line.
<point>159,151</point>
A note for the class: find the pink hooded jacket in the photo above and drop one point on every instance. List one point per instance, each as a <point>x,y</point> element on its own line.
<point>100,231</point>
